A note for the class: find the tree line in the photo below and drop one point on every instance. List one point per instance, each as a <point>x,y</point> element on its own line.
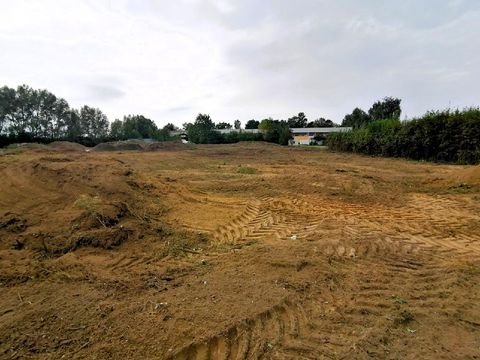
<point>31,115</point>
<point>297,121</point>
<point>204,131</point>
<point>443,136</point>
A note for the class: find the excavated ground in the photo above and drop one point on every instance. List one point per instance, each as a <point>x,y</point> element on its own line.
<point>246,251</point>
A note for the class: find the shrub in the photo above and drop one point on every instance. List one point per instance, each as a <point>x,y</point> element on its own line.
<point>447,136</point>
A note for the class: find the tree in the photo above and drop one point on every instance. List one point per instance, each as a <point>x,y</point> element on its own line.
<point>237,124</point>
<point>116,130</point>
<point>134,127</point>
<point>170,127</point>
<point>94,122</point>
<point>252,124</point>
<point>223,125</point>
<point>388,108</point>
<point>24,110</point>
<point>200,132</point>
<point>357,119</point>
<point>298,121</point>
<point>321,122</point>
<point>276,131</point>
<point>60,113</point>
<point>265,124</point>
<point>7,106</point>
<point>73,126</point>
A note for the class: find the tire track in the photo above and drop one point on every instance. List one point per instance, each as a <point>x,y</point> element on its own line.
<point>252,338</point>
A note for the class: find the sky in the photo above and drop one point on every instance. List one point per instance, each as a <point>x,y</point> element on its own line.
<point>243,59</point>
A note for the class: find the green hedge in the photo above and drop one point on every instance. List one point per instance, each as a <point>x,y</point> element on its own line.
<point>444,136</point>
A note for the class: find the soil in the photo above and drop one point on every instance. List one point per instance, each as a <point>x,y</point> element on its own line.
<point>186,255</point>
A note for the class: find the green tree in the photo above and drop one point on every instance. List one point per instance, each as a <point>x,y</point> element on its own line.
<point>223,125</point>
<point>321,122</point>
<point>94,122</point>
<point>298,121</point>
<point>237,124</point>
<point>275,131</point>
<point>116,129</point>
<point>357,119</point>
<point>200,132</point>
<point>388,108</point>
<point>73,125</point>
<point>7,107</point>
<point>252,124</point>
<point>170,127</point>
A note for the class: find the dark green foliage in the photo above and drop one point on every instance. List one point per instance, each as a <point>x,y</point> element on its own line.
<point>139,127</point>
<point>357,119</point>
<point>252,124</point>
<point>448,136</point>
<point>321,122</point>
<point>223,125</point>
<point>298,121</point>
<point>28,115</point>
<point>204,131</point>
<point>388,108</point>
<point>94,122</point>
<point>201,131</point>
<point>276,131</point>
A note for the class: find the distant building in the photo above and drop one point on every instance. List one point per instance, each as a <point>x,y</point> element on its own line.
<point>311,136</point>
<point>301,136</point>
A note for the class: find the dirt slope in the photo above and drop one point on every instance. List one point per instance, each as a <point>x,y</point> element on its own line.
<point>243,251</point>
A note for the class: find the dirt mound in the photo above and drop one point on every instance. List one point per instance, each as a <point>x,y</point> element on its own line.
<point>26,146</point>
<point>169,146</point>
<point>118,146</point>
<point>66,146</point>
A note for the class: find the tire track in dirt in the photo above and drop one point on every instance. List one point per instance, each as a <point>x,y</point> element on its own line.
<point>328,324</point>
<point>426,223</point>
<point>252,338</point>
<point>238,227</point>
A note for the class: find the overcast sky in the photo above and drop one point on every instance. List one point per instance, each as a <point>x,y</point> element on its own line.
<point>243,59</point>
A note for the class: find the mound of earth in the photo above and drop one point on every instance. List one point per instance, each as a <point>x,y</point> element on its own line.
<point>118,146</point>
<point>169,146</point>
<point>66,146</point>
<point>26,146</point>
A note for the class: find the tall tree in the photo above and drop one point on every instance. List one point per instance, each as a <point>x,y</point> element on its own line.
<point>74,128</point>
<point>298,121</point>
<point>200,132</point>
<point>252,124</point>
<point>388,108</point>
<point>170,127</point>
<point>237,124</point>
<point>95,123</point>
<point>357,119</point>
<point>116,129</point>
<point>7,107</point>
<point>223,125</point>
<point>321,122</point>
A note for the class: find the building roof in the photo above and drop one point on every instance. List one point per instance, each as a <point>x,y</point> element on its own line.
<point>319,130</point>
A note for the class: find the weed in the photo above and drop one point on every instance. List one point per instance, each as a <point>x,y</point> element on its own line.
<point>399,300</point>
<point>91,205</point>
<point>405,317</point>
<point>246,170</point>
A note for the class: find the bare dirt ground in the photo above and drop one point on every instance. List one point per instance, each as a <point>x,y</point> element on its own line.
<point>242,251</point>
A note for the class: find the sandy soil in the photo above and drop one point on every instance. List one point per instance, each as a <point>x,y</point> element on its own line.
<point>242,251</point>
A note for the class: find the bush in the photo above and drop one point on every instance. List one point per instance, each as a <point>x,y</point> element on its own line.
<point>446,136</point>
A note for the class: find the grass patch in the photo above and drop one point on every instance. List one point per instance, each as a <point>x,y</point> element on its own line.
<point>246,170</point>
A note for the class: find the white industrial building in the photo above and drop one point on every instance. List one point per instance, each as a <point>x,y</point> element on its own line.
<point>308,136</point>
